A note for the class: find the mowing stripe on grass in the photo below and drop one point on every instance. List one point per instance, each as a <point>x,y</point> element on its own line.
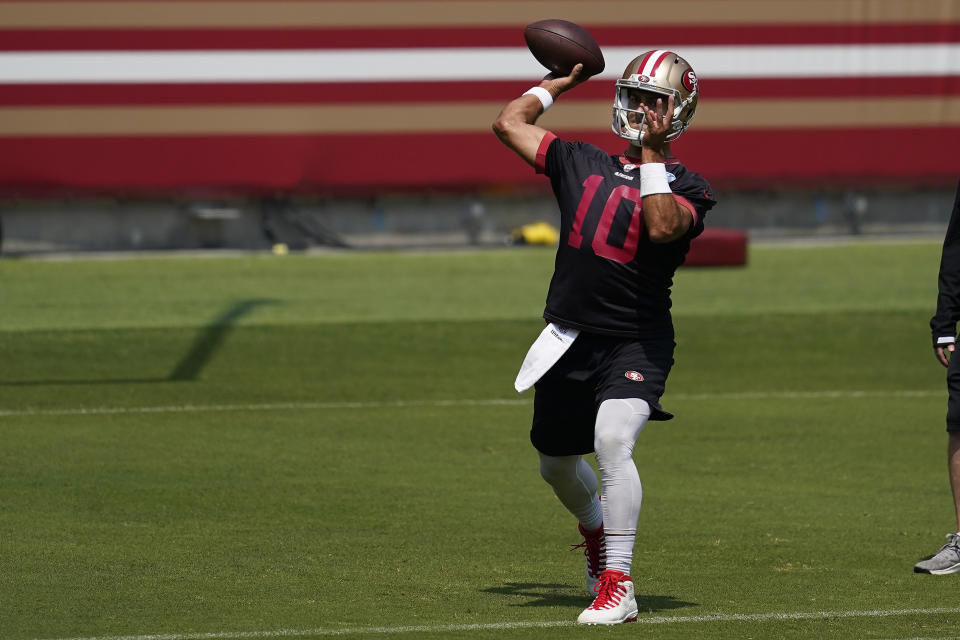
<point>463,402</point>
<point>718,617</point>
<point>925,638</point>
<point>269,406</point>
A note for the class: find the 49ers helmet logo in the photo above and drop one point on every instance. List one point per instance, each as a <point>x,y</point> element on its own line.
<point>689,80</point>
<point>634,375</point>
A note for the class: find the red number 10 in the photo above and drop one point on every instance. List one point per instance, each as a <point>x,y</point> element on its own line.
<point>599,244</point>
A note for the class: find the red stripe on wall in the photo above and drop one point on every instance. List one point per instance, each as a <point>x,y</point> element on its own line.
<point>340,164</point>
<point>373,38</point>
<point>403,92</point>
<point>826,87</point>
<point>796,158</point>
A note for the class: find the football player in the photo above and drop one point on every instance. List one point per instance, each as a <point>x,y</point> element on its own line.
<point>944,328</point>
<point>600,366</point>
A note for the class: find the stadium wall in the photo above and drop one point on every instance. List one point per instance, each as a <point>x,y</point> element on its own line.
<point>341,99</point>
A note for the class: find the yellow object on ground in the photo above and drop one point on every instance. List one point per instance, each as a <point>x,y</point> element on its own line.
<point>536,233</point>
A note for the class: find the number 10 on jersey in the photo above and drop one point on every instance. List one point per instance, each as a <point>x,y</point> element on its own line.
<point>600,243</point>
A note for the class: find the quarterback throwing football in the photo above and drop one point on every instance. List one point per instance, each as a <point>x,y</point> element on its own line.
<point>600,366</point>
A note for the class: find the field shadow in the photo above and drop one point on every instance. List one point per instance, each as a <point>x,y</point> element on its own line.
<point>209,341</point>
<point>204,347</point>
<point>652,604</point>
<point>539,594</point>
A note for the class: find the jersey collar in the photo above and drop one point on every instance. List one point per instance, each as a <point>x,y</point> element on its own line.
<point>625,160</point>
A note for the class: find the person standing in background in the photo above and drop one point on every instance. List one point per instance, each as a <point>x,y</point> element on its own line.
<point>944,328</point>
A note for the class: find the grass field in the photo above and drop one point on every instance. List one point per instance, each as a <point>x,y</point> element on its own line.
<point>330,445</point>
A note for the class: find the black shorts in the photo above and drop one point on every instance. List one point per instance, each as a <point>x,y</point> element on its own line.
<point>953,387</point>
<point>594,369</point>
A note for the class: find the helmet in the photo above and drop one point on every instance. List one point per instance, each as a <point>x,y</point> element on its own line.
<point>662,72</point>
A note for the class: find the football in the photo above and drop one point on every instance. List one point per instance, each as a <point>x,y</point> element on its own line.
<point>559,45</point>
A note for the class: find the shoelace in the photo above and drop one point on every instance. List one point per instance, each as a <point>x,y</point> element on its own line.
<point>609,593</point>
<point>591,549</point>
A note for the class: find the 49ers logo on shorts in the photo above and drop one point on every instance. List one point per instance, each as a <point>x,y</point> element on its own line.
<point>634,375</point>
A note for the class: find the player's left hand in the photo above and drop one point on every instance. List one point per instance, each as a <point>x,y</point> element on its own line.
<point>657,123</point>
<point>944,353</point>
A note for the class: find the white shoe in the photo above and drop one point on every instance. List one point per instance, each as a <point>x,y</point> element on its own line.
<point>945,561</point>
<point>614,603</point>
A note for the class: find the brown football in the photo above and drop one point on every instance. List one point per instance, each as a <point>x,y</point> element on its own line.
<point>559,45</point>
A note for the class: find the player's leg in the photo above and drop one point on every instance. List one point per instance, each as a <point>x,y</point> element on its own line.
<point>953,464</point>
<point>562,431</point>
<point>947,559</point>
<point>634,377</point>
<point>576,486</point>
<point>953,433</point>
<point>619,423</point>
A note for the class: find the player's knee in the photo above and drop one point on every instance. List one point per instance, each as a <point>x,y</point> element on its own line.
<point>556,469</point>
<point>619,423</point>
<point>611,447</point>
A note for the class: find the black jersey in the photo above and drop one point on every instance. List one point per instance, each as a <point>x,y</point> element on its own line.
<point>944,322</point>
<point>609,278</point>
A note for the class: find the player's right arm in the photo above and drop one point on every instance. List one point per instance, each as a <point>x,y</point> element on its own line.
<point>516,125</point>
<point>944,322</point>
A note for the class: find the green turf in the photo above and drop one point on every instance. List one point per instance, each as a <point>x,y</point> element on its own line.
<point>332,442</point>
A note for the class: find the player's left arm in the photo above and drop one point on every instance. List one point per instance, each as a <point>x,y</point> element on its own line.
<point>666,217</point>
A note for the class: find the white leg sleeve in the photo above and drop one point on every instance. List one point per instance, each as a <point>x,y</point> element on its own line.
<point>575,484</point>
<point>619,423</point>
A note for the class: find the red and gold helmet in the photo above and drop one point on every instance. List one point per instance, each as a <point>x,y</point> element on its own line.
<point>662,72</point>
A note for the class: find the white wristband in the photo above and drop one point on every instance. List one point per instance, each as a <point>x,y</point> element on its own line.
<point>542,94</point>
<point>653,179</point>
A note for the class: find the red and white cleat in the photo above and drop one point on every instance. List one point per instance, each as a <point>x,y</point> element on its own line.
<point>595,549</point>
<point>615,603</point>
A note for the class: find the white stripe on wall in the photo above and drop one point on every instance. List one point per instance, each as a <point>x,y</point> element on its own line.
<point>899,61</point>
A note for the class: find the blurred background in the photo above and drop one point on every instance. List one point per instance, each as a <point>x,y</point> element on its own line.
<point>292,125</point>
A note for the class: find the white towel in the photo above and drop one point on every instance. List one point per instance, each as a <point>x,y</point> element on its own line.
<point>552,343</point>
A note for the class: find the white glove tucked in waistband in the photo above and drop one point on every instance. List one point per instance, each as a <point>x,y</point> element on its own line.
<point>552,343</point>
